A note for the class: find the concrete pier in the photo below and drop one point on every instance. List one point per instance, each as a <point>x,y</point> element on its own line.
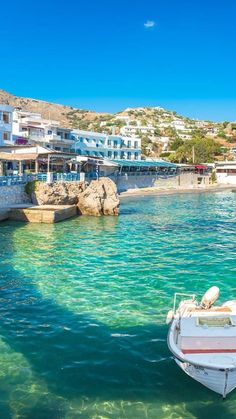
<point>43,214</point>
<point>4,214</point>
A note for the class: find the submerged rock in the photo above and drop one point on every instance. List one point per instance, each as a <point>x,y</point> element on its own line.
<point>99,198</point>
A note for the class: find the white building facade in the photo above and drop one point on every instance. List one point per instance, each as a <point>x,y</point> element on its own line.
<point>131,130</point>
<point>226,172</point>
<point>31,128</point>
<point>89,143</point>
<point>5,124</point>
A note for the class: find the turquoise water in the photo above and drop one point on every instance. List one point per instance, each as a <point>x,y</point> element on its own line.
<point>83,306</point>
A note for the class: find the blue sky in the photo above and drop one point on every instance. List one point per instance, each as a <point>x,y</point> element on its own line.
<point>100,54</point>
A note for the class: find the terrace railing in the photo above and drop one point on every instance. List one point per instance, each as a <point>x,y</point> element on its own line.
<point>70,177</point>
<point>42,177</point>
<point>12,180</point>
<point>56,177</point>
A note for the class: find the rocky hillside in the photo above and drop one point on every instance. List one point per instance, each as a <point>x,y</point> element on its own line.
<point>63,114</point>
<point>69,116</point>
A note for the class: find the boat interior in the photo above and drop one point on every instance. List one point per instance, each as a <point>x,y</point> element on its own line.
<point>207,336</point>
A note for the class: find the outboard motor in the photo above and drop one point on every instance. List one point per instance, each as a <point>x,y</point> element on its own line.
<point>210,297</point>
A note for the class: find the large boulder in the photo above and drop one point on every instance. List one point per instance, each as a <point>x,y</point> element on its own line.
<point>99,198</point>
<point>58,193</point>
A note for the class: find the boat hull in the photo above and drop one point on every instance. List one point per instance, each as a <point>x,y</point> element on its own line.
<point>221,381</point>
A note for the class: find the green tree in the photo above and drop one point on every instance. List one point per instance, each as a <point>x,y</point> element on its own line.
<point>145,145</point>
<point>157,132</point>
<point>178,142</point>
<point>197,133</point>
<point>225,124</point>
<point>205,150</point>
<point>221,134</point>
<point>170,132</point>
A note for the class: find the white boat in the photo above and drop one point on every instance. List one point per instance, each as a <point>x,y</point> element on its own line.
<point>202,339</point>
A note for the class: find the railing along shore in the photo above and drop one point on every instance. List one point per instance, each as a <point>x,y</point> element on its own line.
<point>63,177</point>
<point>42,177</point>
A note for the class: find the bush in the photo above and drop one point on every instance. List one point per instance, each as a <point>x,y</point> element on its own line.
<point>165,154</point>
<point>213,177</point>
<point>30,187</point>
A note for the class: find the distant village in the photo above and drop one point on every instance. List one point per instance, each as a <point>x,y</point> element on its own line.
<point>138,141</point>
<point>132,134</point>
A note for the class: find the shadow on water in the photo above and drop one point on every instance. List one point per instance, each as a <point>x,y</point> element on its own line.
<point>78,356</point>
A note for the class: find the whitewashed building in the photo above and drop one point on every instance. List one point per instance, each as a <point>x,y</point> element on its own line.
<point>131,130</point>
<point>178,125</point>
<point>31,128</point>
<point>89,143</point>
<point>5,124</point>
<point>226,172</point>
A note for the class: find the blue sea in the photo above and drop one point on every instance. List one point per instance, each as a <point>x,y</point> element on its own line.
<point>83,306</point>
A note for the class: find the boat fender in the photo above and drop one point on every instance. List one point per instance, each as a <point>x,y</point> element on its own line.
<point>210,297</point>
<point>169,316</point>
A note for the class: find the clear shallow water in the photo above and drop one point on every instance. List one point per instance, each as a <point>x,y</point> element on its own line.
<point>83,306</point>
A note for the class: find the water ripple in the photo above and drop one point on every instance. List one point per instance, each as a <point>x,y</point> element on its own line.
<point>83,305</point>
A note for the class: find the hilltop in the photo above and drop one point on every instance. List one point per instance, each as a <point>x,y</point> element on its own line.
<point>48,110</point>
<point>69,116</point>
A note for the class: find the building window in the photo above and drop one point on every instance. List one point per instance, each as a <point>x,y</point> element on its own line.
<point>136,156</point>
<point>6,117</point>
<point>129,143</point>
<point>108,142</point>
<point>129,155</point>
<point>49,132</point>
<point>122,155</point>
<point>136,144</point>
<point>6,136</point>
<point>109,154</point>
<point>58,148</point>
<point>115,144</point>
<point>115,154</point>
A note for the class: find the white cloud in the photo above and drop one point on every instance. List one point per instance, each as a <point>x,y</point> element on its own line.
<point>149,24</point>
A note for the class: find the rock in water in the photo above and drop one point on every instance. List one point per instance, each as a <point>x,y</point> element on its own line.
<point>99,198</point>
<point>58,193</point>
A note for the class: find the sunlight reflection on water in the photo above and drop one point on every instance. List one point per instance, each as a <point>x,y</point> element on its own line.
<point>83,307</point>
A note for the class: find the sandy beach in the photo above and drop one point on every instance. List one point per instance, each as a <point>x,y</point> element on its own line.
<point>172,191</point>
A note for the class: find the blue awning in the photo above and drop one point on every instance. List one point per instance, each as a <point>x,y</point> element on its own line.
<point>144,163</point>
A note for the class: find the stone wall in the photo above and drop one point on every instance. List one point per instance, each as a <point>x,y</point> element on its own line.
<point>12,195</point>
<point>184,180</point>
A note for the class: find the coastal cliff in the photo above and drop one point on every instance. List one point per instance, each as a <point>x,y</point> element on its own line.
<point>98,198</point>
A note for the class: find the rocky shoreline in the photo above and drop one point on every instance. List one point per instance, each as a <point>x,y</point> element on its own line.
<point>98,198</point>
